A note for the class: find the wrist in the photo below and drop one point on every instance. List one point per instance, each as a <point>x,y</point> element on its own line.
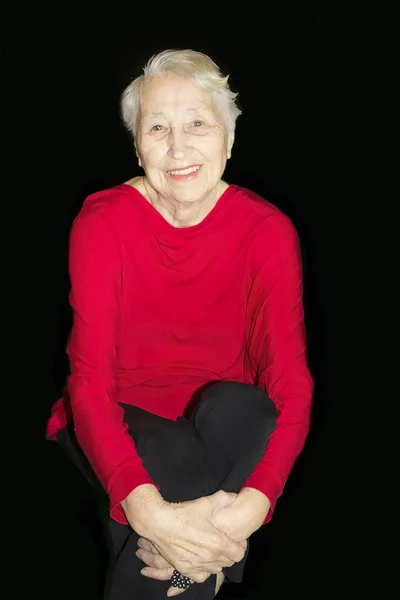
<point>256,502</point>
<point>141,506</point>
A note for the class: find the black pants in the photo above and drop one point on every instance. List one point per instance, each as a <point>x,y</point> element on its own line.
<point>215,446</point>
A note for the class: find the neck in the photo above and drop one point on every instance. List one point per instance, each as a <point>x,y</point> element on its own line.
<point>183,214</point>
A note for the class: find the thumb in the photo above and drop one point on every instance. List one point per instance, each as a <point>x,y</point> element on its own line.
<point>222,499</point>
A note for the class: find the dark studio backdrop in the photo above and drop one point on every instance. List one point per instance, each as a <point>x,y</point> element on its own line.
<point>324,539</point>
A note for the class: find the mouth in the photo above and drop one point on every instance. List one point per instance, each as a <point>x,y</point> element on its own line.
<point>186,173</point>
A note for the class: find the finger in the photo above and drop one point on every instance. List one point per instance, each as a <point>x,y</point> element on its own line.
<point>211,563</point>
<point>213,558</point>
<point>226,565</point>
<point>221,499</point>
<point>146,545</point>
<point>199,577</point>
<point>207,561</point>
<point>243,546</point>
<point>160,574</point>
<point>173,591</point>
<point>234,550</point>
<point>214,568</point>
<point>152,560</point>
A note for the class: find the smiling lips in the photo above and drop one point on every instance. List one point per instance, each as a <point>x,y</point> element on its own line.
<point>185,174</point>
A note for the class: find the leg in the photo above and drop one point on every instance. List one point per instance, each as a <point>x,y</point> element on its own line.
<point>176,458</point>
<point>216,447</point>
<point>235,420</point>
<point>175,455</point>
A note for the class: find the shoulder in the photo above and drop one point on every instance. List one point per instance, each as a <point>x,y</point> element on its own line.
<point>111,204</point>
<point>110,212</point>
<point>268,225</point>
<point>103,218</point>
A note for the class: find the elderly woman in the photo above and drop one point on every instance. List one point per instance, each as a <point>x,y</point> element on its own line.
<point>189,395</point>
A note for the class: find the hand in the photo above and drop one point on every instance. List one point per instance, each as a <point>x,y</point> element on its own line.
<point>186,536</point>
<point>244,515</point>
<point>158,568</point>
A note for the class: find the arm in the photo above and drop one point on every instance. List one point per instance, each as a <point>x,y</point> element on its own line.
<point>184,533</point>
<point>95,272</point>
<point>277,355</point>
<point>277,349</point>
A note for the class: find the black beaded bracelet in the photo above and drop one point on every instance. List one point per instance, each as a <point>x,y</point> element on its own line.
<point>180,581</point>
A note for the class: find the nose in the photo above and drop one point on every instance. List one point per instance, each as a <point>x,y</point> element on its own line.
<point>177,143</point>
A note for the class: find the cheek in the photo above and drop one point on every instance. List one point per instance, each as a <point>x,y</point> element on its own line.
<point>213,148</point>
<point>217,155</point>
<point>152,157</point>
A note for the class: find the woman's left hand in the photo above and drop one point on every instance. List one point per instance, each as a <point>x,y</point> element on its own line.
<point>244,516</point>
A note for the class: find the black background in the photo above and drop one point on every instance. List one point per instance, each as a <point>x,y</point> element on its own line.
<point>331,531</point>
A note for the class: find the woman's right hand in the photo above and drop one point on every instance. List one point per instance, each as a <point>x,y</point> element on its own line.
<point>185,534</point>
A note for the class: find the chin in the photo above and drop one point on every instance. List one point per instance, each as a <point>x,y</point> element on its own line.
<point>189,196</point>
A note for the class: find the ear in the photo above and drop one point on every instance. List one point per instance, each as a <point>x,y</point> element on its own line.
<point>229,144</point>
<point>138,156</point>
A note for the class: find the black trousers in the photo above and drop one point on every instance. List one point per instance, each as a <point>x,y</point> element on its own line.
<point>215,446</point>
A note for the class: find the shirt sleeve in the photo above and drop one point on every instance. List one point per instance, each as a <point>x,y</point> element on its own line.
<point>95,274</point>
<point>277,350</point>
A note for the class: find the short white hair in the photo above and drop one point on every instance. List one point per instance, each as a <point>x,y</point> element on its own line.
<point>195,66</point>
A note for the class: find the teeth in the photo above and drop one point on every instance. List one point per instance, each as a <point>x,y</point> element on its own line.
<point>184,171</point>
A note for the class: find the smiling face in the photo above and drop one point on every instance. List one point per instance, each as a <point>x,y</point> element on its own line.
<point>182,142</point>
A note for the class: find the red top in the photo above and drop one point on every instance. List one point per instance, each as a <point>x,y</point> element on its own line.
<point>159,311</point>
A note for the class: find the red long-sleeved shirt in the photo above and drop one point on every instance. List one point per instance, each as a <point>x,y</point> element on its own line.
<point>158,311</point>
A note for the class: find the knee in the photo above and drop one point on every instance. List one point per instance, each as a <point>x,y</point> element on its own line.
<point>235,400</point>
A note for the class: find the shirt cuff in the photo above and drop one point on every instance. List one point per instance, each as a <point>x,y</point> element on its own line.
<point>58,420</point>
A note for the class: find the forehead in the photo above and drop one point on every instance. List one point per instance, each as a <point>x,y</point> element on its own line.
<point>171,92</point>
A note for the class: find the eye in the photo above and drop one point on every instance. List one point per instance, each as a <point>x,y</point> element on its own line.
<point>198,123</point>
<point>156,128</point>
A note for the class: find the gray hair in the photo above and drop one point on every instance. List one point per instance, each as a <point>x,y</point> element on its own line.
<point>195,66</point>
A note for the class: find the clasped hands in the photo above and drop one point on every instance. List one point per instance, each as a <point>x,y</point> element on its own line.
<point>197,538</point>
